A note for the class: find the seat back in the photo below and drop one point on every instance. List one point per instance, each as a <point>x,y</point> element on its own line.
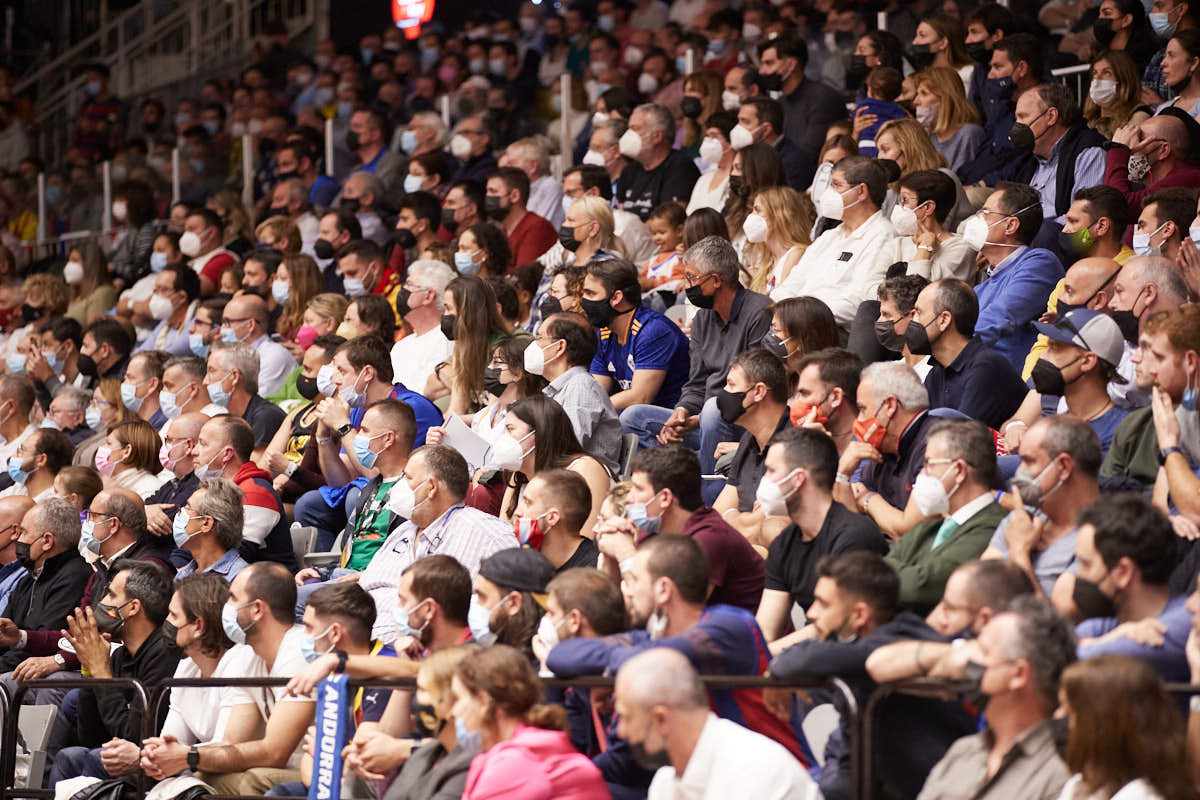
<point>629,444</point>
<point>304,539</point>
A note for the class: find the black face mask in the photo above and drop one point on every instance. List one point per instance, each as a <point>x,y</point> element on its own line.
<point>352,142</point>
<point>917,339</point>
<point>690,106</point>
<point>651,762</point>
<point>257,291</point>
<point>109,619</point>
<point>1090,601</point>
<point>697,297</point>
<point>277,211</point>
<point>885,334</point>
<point>425,720</point>
<point>30,313</point>
<point>448,321</point>
<point>404,238</point>
<point>979,52</point>
<point>307,387</point>
<point>774,345</point>
<point>284,176</point>
<point>771,83</point>
<point>323,248</point>
<point>25,557</point>
<point>736,182</point>
<point>1102,29</point>
<point>922,55</point>
<point>566,236</point>
<point>1048,378</point>
<point>1021,137</point>
<point>858,67</point>
<point>448,220</point>
<point>1126,320</point>
<point>350,204</point>
<point>87,366</point>
<point>491,381</point>
<point>551,305</point>
<point>599,313</point>
<point>493,209</point>
<point>974,695</point>
<point>730,405</point>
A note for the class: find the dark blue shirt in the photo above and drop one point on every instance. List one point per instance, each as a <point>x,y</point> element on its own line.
<point>426,412</point>
<point>651,342</point>
<point>980,383</point>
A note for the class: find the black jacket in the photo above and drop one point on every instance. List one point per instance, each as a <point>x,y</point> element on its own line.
<point>42,602</point>
<point>105,713</point>
<point>1078,138</point>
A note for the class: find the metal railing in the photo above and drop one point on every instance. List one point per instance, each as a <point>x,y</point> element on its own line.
<point>1079,72</point>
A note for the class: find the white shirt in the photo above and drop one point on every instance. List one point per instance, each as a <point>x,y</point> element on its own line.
<point>275,363</point>
<point>545,200</point>
<point>308,225</point>
<point>138,481</point>
<point>972,508</point>
<point>1139,789</point>
<point>200,714</point>
<point>630,229</point>
<point>841,268</point>
<point>415,356</point>
<point>467,534</point>
<point>732,761</point>
<point>953,258</point>
<point>288,661</point>
<point>705,197</point>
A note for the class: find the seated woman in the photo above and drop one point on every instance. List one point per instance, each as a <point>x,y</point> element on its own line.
<point>777,234</point>
<point>89,284</point>
<point>472,321</point>
<point>538,435</point>
<point>129,457</point>
<point>908,144</point>
<point>297,281</point>
<point>497,702</point>
<point>926,198</point>
<point>799,326</point>
<point>105,412</point>
<point>366,314</point>
<point>1115,95</point>
<point>483,250</point>
<point>942,108</point>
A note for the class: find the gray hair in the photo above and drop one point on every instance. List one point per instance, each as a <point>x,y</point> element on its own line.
<point>62,520</point>
<point>370,183</point>
<point>78,398</point>
<point>1045,639</point>
<point>535,148</point>
<point>193,366</point>
<point>661,676</point>
<point>243,358</point>
<point>1057,96</point>
<point>715,254</point>
<point>1163,274</point>
<point>296,190</point>
<point>1074,437</point>
<point>131,514</point>
<point>433,120</point>
<point>615,127</point>
<point>661,118</point>
<point>972,442</point>
<point>431,274</point>
<point>222,502</point>
<point>899,380</point>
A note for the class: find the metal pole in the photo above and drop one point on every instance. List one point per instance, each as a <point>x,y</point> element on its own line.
<point>175,193</point>
<point>329,147</point>
<point>446,110</point>
<point>565,93</point>
<point>41,191</point>
<point>106,178</point>
<point>247,171</point>
<point>690,61</point>
<point>881,20</point>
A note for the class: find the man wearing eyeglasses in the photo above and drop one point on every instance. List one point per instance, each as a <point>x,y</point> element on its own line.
<point>12,510</point>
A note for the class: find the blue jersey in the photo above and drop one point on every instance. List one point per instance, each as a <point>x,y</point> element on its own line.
<point>653,342</point>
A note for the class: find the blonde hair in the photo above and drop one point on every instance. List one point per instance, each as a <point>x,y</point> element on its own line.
<point>95,270</point>
<point>596,209</point>
<point>53,291</point>
<point>1128,97</point>
<point>330,306</point>
<point>954,110</point>
<point>237,224</point>
<point>304,279</point>
<point>710,85</point>
<point>281,227</point>
<point>914,142</point>
<point>790,216</point>
<point>110,390</point>
<point>438,668</point>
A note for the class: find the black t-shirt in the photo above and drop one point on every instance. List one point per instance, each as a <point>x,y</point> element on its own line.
<point>585,555</point>
<point>640,191</point>
<point>746,469</point>
<point>265,418</point>
<point>792,562</point>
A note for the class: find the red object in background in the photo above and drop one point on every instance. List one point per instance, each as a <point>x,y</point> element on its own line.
<point>410,14</point>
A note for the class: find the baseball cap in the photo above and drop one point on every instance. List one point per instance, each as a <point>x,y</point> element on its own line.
<point>519,569</point>
<point>1088,329</point>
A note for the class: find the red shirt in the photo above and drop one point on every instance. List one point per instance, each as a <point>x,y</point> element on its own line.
<point>532,237</point>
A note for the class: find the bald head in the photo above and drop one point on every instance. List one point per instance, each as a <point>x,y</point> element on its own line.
<point>1085,280</point>
<point>1169,129</point>
<point>661,676</point>
<point>187,426</point>
<point>247,306</point>
<point>12,510</point>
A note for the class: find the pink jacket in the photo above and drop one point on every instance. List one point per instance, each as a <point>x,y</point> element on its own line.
<point>535,764</point>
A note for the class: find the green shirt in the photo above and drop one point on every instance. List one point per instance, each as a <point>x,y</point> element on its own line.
<point>1134,450</point>
<point>371,528</point>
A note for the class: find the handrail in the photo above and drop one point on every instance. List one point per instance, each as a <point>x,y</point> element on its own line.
<point>1071,70</point>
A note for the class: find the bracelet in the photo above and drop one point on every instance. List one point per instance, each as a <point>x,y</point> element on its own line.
<point>291,468</point>
<point>866,502</point>
<point>842,478</point>
<point>925,247</point>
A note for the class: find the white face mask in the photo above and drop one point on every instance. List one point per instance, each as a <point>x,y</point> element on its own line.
<point>594,159</point>
<point>160,307</point>
<point>740,137</point>
<point>508,452</point>
<point>535,359</point>
<point>930,493</point>
<point>772,499</point>
<point>904,220</point>
<point>831,203</point>
<point>73,272</point>
<point>755,228</point>
<point>1103,92</point>
<point>647,83</point>
<point>730,101</point>
<point>189,244</point>
<point>711,150</point>
<point>460,147</point>
<point>631,144</point>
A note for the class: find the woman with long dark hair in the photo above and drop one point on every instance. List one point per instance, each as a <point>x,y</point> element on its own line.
<point>133,209</point>
<point>472,321</point>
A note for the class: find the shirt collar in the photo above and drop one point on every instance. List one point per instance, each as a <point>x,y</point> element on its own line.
<point>1008,259</point>
<point>964,514</point>
<point>108,562</point>
<point>704,755</point>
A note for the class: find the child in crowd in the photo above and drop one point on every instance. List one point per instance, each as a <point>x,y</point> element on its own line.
<point>883,87</point>
<point>666,231</point>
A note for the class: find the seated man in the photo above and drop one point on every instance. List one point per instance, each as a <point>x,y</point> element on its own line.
<point>964,373</point>
<point>666,484</point>
<point>232,383</point>
<point>383,442</point>
<point>964,513</point>
<point>209,529</point>
<point>890,431</point>
<point>250,758</point>
<point>184,391</point>
<point>667,586</point>
<point>131,612</point>
<point>827,393</point>
<point>856,610</point>
<point>1020,277</point>
<point>1164,142</point>
<point>1016,755</point>
<point>223,450</point>
<point>431,497</point>
<point>798,482</point>
<point>68,413</point>
<point>561,352</point>
<point>37,461</point>
<point>179,437</point>
<point>246,319</point>
<point>643,356</point>
<point>553,509</point>
<point>12,511</point>
<point>1126,550</point>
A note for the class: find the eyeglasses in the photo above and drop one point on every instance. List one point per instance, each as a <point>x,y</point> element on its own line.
<point>96,516</point>
<point>930,462</point>
<point>692,279</point>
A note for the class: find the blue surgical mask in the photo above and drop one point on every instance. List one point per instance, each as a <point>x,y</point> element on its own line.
<point>179,527</point>
<point>470,742</point>
<point>92,418</point>
<point>1194,234</point>
<point>87,535</point>
<point>158,262</point>
<point>229,621</point>
<point>1141,243</point>
<point>15,472</point>
<point>281,291</point>
<point>93,88</point>
<point>129,397</point>
<point>408,143</point>
<point>353,397</point>
<point>478,621</point>
<point>166,401</point>
<point>362,449</point>
<point>212,126</point>
<point>50,424</point>
<point>638,516</point>
<point>203,471</point>
<point>353,287</point>
<point>681,64</point>
<point>325,384</point>
<point>196,345</point>
<point>52,360</point>
<point>403,626</point>
<point>308,645</point>
<point>412,183</point>
<point>1162,25</point>
<point>465,264</point>
<point>345,108</point>
<point>53,194</point>
<point>16,364</point>
<point>217,393</point>
<point>324,95</point>
<point>228,336</point>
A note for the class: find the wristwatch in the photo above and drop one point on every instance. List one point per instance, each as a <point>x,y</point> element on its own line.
<point>193,758</point>
<point>60,660</point>
<point>1165,453</point>
<point>342,655</point>
<point>344,429</point>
